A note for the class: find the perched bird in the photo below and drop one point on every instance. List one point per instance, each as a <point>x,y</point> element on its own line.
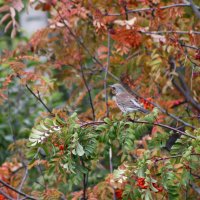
<point>126,102</point>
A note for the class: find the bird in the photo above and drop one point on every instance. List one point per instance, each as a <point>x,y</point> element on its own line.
<point>126,102</point>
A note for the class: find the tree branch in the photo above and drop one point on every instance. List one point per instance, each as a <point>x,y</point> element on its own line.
<point>194,8</point>
<point>37,97</point>
<point>189,46</point>
<point>167,158</point>
<point>182,86</point>
<point>23,180</point>
<point>106,74</point>
<point>6,195</point>
<point>170,31</point>
<point>164,126</point>
<point>89,92</point>
<point>195,188</point>
<point>149,9</point>
<point>85,179</point>
<point>17,191</point>
<point>95,123</point>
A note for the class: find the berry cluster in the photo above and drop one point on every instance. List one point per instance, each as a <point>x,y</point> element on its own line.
<point>142,184</point>
<point>60,146</point>
<point>118,193</point>
<point>146,103</point>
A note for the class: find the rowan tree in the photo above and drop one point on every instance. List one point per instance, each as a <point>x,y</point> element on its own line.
<point>62,135</point>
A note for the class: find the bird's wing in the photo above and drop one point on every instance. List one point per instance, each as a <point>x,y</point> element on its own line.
<point>128,100</point>
<point>136,103</point>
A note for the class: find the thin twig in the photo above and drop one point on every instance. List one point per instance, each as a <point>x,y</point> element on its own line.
<point>190,46</point>
<point>170,31</point>
<point>94,123</point>
<point>195,188</point>
<point>167,158</point>
<point>164,126</point>
<point>143,122</point>
<point>195,175</point>
<point>106,100</point>
<point>195,9</point>
<point>106,74</point>
<point>17,191</point>
<point>23,179</point>
<point>39,99</point>
<point>41,173</point>
<point>89,92</point>
<point>6,195</point>
<point>182,86</point>
<point>149,9</point>
<point>85,178</point>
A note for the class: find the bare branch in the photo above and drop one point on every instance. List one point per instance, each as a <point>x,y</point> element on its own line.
<point>156,159</point>
<point>37,97</point>
<point>85,180</point>
<point>106,75</point>
<point>189,46</point>
<point>170,31</point>
<point>195,188</point>
<point>95,123</point>
<point>194,8</point>
<point>195,175</point>
<point>23,180</point>
<point>17,191</point>
<point>164,126</point>
<point>106,100</point>
<point>182,86</point>
<point>6,195</point>
<point>89,93</point>
<point>149,9</point>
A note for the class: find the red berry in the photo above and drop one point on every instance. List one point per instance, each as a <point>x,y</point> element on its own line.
<point>118,193</point>
<point>61,147</point>
<point>157,187</point>
<point>141,183</point>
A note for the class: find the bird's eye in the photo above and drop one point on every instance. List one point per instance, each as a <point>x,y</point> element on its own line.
<point>113,90</point>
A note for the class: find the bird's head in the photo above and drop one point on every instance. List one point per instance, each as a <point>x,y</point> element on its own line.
<point>117,88</point>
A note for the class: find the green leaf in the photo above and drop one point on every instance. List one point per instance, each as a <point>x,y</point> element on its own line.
<point>108,121</point>
<point>79,150</point>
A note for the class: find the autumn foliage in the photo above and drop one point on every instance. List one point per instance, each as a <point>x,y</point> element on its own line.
<point>62,135</point>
